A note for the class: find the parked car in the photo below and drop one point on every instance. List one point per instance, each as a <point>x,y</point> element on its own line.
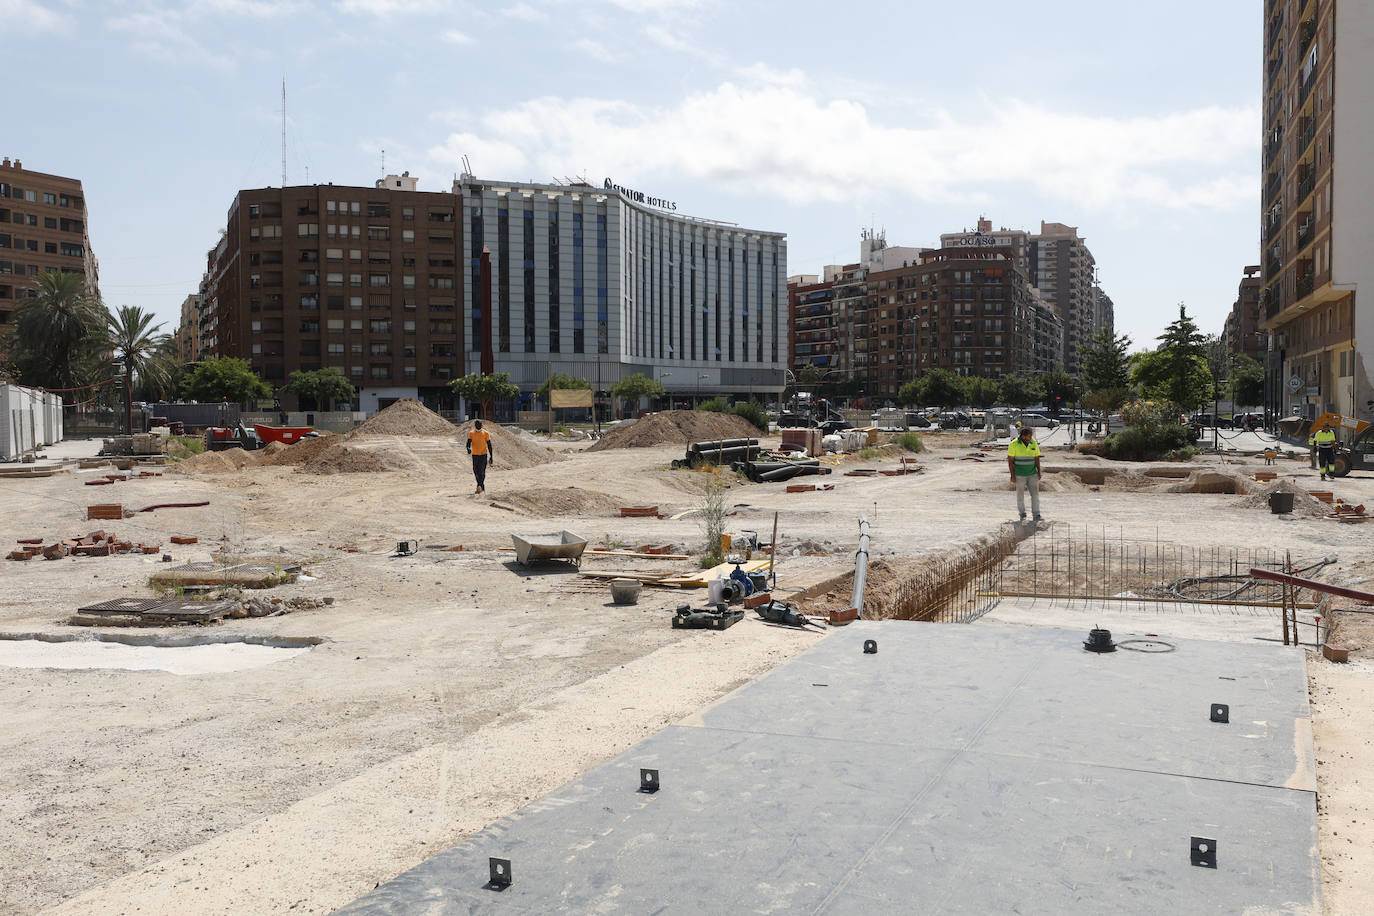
<point>916,420</point>
<point>1037,420</point>
<point>835,426</point>
<point>955,419</point>
<point>1208,420</point>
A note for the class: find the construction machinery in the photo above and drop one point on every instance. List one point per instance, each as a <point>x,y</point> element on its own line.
<point>222,438</point>
<point>1356,451</point>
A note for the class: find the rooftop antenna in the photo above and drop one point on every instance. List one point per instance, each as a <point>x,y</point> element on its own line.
<point>383,162</point>
<point>283,130</point>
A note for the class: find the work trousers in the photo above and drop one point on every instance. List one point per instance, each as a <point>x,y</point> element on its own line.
<point>479,470</point>
<point>1032,483</point>
<point>1326,459</point>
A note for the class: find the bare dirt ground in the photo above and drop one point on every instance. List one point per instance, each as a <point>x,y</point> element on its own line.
<point>451,687</point>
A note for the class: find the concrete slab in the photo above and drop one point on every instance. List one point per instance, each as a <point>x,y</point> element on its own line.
<point>958,769</point>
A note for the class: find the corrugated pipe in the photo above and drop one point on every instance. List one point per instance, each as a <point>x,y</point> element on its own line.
<point>856,600</point>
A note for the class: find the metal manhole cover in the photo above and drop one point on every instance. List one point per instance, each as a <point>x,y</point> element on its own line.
<point>1146,645</point>
<point>125,605</point>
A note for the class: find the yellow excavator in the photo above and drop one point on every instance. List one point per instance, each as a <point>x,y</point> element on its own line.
<point>1354,450</point>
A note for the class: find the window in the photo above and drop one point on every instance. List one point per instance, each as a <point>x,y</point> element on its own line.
<point>50,198</point>
<point>334,254</point>
<point>336,303</point>
<point>336,325</point>
<point>376,210</point>
<point>49,222</point>
<point>310,303</point>
<point>354,206</point>
<point>378,233</point>
<point>355,255</point>
<point>308,230</point>
<point>443,282</point>
<point>310,327</point>
<point>50,248</point>
<point>378,280</point>
<point>357,231</point>
<point>310,278</point>
<point>355,371</point>
<point>355,279</point>
<point>408,235</point>
<point>270,232</point>
<point>408,281</point>
<point>381,348</point>
<point>441,327</point>
<point>355,302</point>
<point>381,372</point>
<point>409,326</point>
<point>379,326</point>
<point>410,371</point>
<point>256,326</point>
<point>407,213</point>
<point>336,349</point>
<point>356,324</point>
<point>254,211</point>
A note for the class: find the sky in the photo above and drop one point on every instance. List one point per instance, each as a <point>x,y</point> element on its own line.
<point>1139,123</point>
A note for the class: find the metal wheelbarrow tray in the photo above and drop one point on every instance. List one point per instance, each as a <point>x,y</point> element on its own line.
<point>538,548</point>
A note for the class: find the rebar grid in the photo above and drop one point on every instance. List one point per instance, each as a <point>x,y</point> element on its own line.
<point>956,587</point>
<point>1079,563</point>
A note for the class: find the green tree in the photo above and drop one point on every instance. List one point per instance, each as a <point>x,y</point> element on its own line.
<point>633,387</point>
<point>224,379</point>
<point>1181,344</point>
<point>140,351</point>
<point>59,335</point>
<point>937,388</point>
<point>1105,362</point>
<point>1160,377</point>
<point>319,387</point>
<point>560,381</point>
<point>983,392</point>
<point>1059,388</point>
<point>485,389</point>
<point>1247,382</point>
<point>1021,390</point>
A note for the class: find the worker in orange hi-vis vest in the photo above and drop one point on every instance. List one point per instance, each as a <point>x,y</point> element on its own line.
<point>482,452</point>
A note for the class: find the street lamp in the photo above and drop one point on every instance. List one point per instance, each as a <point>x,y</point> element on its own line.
<point>696,398</point>
<point>661,377</point>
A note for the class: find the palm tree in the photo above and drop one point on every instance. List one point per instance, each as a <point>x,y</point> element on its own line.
<point>137,347</point>
<point>57,331</point>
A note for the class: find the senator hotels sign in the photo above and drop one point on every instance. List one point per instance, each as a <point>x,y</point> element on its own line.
<point>977,240</point>
<point>640,197</point>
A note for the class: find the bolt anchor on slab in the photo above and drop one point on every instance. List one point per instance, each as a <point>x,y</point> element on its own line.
<point>648,781</point>
<point>500,877</point>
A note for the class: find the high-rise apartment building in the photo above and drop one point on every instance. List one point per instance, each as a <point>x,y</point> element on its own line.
<point>43,226</point>
<point>1317,224</point>
<point>1241,332</point>
<point>1064,271</point>
<point>362,279</point>
<point>187,333</point>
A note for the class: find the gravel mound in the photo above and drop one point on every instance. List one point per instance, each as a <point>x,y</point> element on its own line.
<point>1304,503</point>
<point>407,417</point>
<point>553,501</point>
<point>676,427</point>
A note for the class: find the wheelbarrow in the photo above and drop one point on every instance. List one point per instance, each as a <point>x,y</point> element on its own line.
<point>539,548</point>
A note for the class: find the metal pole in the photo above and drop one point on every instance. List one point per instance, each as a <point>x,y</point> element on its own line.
<point>856,598</point>
<point>773,553</point>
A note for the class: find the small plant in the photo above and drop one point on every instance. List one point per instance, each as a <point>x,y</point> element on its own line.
<point>911,442</point>
<point>180,448</point>
<point>713,523</point>
<point>560,430</point>
<point>754,413</point>
<point>715,405</point>
<point>611,543</point>
<point>868,454</point>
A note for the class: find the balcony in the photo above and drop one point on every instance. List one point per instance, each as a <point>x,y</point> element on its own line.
<point>1305,185</point>
<point>1271,188</point>
<point>1305,135</point>
<point>1305,232</point>
<point>1309,79</point>
<point>1274,70</point>
<point>1275,30</point>
<point>1303,287</point>
<point>1272,266</point>
<point>1307,30</point>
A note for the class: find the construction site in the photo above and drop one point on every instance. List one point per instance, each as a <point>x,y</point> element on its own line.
<point>330,676</point>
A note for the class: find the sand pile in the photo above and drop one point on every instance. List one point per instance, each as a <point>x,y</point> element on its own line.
<point>676,427</point>
<point>1304,503</point>
<point>279,454</point>
<point>1212,482</point>
<point>512,447</point>
<point>552,501</point>
<point>340,458</point>
<point>407,417</point>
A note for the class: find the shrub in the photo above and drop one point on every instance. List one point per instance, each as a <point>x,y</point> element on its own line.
<point>868,454</point>
<point>713,524</point>
<point>715,405</point>
<point>754,413</point>
<point>911,442</point>
<point>1146,443</point>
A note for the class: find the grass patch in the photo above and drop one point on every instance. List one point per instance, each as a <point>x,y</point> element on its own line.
<point>182,447</point>
<point>911,442</point>
<point>868,454</point>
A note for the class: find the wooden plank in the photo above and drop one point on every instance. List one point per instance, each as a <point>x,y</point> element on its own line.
<point>699,579</point>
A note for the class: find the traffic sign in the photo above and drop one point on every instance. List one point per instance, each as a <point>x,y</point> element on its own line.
<point>1295,383</point>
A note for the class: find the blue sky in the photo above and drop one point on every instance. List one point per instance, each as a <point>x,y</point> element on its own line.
<point>1138,123</point>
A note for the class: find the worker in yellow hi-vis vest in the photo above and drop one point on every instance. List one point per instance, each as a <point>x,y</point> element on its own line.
<point>1023,461</point>
<point>1325,441</point>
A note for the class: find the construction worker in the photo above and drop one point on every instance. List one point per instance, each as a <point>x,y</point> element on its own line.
<point>1325,441</point>
<point>481,450</point>
<point>1023,462</point>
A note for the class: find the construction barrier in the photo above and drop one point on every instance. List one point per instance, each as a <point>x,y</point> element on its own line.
<point>30,418</point>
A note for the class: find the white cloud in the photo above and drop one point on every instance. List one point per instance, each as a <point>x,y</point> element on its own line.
<point>390,7</point>
<point>785,142</point>
<point>525,13</point>
<point>27,14</point>
<point>771,76</point>
<point>248,9</point>
<point>653,6</point>
<point>596,50</point>
<point>455,37</point>
<point>160,35</point>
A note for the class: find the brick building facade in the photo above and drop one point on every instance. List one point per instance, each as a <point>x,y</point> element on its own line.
<point>43,227</point>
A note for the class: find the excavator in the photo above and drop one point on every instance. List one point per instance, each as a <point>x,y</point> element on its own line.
<point>1354,452</point>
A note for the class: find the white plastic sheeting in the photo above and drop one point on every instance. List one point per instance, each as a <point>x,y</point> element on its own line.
<point>29,420</point>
